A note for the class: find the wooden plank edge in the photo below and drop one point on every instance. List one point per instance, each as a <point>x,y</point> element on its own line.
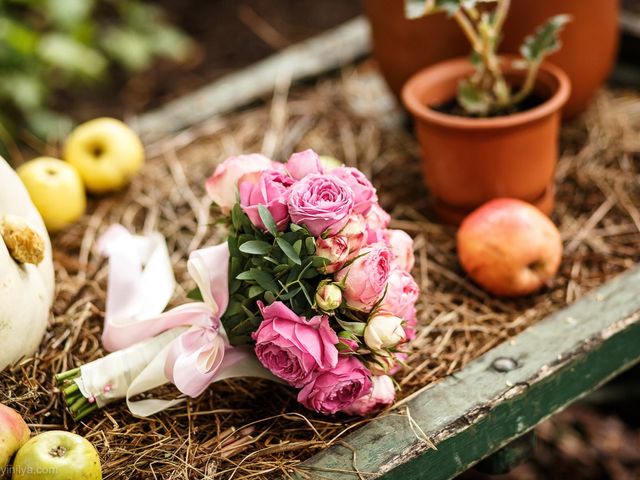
<point>327,51</point>
<point>607,334</point>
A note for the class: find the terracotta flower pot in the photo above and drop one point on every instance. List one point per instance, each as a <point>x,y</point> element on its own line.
<point>468,161</point>
<point>590,41</point>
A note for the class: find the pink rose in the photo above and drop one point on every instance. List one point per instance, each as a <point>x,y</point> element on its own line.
<point>355,231</point>
<point>377,221</point>
<point>270,189</point>
<point>401,245</point>
<point>364,193</point>
<point>292,347</point>
<point>321,203</point>
<point>304,163</point>
<point>338,388</point>
<point>222,186</point>
<point>383,394</point>
<point>366,278</point>
<point>411,322</point>
<point>335,249</point>
<point>402,294</point>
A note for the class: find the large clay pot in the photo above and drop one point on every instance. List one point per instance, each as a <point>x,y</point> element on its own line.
<point>469,161</point>
<point>590,41</point>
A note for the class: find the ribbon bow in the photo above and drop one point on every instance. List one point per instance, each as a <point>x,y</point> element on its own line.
<point>186,345</point>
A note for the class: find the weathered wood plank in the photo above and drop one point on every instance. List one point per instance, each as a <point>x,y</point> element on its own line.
<point>475,412</point>
<point>325,52</point>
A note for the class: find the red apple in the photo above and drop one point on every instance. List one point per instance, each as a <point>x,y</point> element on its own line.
<point>509,247</point>
<point>14,433</point>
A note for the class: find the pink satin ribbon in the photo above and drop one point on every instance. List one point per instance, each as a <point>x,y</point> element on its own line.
<point>139,287</point>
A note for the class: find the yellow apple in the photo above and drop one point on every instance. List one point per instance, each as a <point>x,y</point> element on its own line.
<point>56,190</point>
<point>106,152</point>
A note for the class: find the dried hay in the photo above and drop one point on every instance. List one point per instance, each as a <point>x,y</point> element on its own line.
<point>256,429</point>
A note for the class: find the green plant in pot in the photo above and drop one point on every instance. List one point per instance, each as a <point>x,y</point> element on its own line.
<point>488,125</point>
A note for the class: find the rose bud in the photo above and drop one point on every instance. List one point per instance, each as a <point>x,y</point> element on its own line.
<point>383,394</point>
<point>383,364</point>
<point>366,278</point>
<point>271,190</point>
<point>222,186</point>
<point>304,163</point>
<point>328,297</point>
<point>335,249</point>
<point>14,433</point>
<point>384,331</point>
<point>401,245</point>
<point>347,343</point>
<point>355,230</point>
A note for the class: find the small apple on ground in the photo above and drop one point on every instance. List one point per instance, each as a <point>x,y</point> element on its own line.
<point>509,247</point>
<point>14,433</point>
<point>57,455</point>
<point>56,189</point>
<point>106,152</point>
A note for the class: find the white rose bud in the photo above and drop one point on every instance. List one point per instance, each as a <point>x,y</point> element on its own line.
<point>384,331</point>
<point>328,297</point>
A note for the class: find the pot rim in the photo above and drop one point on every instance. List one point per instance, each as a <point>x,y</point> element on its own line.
<point>457,68</point>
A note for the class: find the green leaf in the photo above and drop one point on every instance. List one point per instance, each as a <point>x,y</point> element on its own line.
<point>267,219</point>
<point>357,328</point>
<point>264,279</point>
<point>255,247</point>
<point>288,250</point>
<point>255,290</point>
<point>545,40</point>
<point>236,214</point>
<point>64,52</point>
<point>472,99</point>
<point>310,245</point>
<point>195,294</point>
<point>245,276</point>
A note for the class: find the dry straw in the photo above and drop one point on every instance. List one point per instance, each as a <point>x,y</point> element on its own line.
<point>255,429</point>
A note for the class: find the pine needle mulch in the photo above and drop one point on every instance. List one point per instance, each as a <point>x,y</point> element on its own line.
<point>255,429</point>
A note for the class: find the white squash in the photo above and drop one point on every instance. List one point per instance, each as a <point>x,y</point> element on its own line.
<point>26,290</point>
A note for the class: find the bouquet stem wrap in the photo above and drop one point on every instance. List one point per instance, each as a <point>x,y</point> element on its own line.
<point>186,346</point>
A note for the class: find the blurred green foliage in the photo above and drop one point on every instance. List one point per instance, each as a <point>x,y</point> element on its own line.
<point>50,45</point>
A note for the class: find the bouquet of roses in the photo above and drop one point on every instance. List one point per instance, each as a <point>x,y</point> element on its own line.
<point>311,288</point>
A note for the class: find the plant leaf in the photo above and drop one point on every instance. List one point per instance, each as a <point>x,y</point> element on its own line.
<point>357,328</point>
<point>263,279</point>
<point>255,247</point>
<point>267,219</point>
<point>545,40</point>
<point>288,250</point>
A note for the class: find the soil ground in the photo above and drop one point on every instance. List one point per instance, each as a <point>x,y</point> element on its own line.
<point>230,34</point>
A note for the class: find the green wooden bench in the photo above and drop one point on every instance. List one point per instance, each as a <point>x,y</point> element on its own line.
<point>446,428</point>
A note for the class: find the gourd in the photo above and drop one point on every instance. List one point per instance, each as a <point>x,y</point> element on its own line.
<point>26,271</point>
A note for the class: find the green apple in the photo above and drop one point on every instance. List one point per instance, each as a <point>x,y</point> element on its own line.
<point>56,189</point>
<point>106,152</point>
<point>57,455</point>
<point>14,433</point>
